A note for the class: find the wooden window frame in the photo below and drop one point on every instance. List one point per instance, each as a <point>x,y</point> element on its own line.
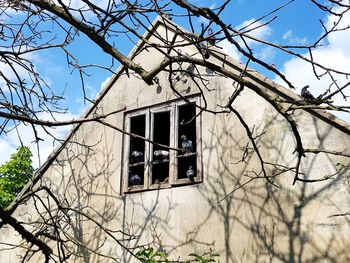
<point>173,180</point>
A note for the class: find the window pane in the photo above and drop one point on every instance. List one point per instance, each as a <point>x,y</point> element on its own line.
<point>161,135</point>
<point>187,124</point>
<point>185,165</point>
<point>187,158</point>
<point>137,150</point>
<point>161,129</point>
<point>160,172</point>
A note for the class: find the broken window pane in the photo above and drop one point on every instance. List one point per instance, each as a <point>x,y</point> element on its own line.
<point>161,135</point>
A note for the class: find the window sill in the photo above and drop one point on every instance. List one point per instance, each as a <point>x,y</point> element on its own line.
<point>160,161</point>
<point>160,186</point>
<point>185,181</point>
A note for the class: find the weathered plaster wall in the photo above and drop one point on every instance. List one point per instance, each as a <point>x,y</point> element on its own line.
<point>244,218</point>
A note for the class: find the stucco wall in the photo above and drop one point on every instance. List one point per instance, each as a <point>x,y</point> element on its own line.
<point>234,211</point>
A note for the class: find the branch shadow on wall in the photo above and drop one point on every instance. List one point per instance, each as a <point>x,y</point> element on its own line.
<point>234,211</point>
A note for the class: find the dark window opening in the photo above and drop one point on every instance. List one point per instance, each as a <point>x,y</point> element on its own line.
<point>186,167</point>
<point>137,145</point>
<point>187,124</point>
<point>136,175</point>
<point>161,129</point>
<point>137,151</point>
<point>160,173</point>
<point>186,159</point>
<point>161,135</point>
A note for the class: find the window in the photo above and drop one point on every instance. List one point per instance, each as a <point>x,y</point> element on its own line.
<point>173,158</point>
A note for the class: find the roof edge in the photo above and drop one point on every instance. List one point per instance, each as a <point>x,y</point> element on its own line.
<point>282,91</point>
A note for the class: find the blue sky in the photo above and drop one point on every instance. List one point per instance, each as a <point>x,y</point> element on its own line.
<point>298,23</point>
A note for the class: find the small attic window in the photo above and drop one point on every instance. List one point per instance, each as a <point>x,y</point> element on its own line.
<point>148,165</point>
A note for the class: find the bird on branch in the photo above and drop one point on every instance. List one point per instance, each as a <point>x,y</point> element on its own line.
<point>211,38</point>
<point>306,94</point>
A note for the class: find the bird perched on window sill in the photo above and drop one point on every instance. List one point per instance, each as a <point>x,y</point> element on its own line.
<point>134,179</point>
<point>187,146</point>
<point>190,173</point>
<point>161,155</point>
<point>136,156</point>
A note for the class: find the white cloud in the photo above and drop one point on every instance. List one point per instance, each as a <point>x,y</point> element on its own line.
<point>287,35</point>
<point>8,13</point>
<point>11,75</point>
<point>230,49</point>
<point>266,54</point>
<point>339,39</point>
<point>9,142</point>
<point>104,83</point>
<point>91,93</point>
<point>14,71</point>
<point>6,149</point>
<point>254,29</point>
<point>293,39</point>
<point>334,54</point>
<point>80,8</point>
<point>81,5</point>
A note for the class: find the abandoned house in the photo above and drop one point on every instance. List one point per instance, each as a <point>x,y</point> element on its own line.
<point>161,172</point>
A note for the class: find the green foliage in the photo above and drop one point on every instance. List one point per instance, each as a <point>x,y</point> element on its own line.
<point>149,255</point>
<point>205,258</point>
<point>14,175</point>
